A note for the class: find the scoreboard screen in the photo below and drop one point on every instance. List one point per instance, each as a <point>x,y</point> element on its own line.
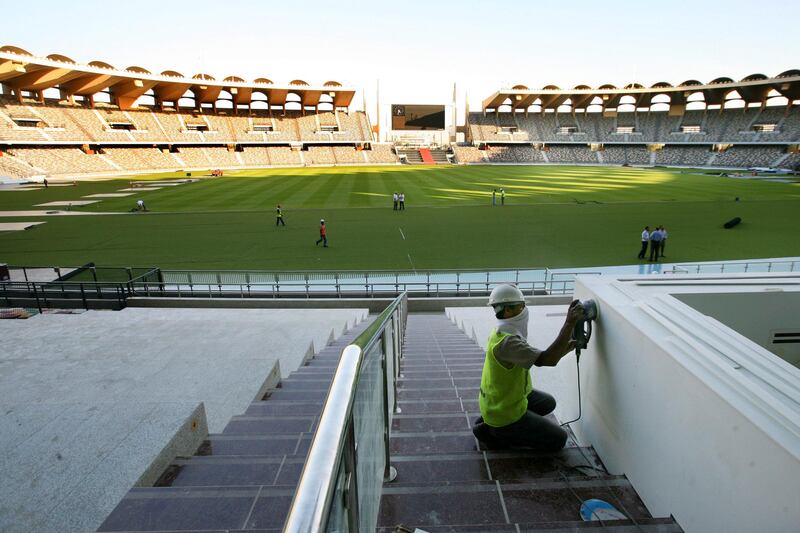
<point>417,117</point>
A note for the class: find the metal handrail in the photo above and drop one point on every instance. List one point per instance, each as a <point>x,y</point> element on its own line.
<point>313,498</point>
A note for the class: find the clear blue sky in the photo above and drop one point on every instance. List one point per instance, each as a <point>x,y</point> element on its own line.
<point>419,48</point>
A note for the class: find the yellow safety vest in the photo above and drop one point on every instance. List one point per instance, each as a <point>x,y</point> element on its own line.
<point>503,397</point>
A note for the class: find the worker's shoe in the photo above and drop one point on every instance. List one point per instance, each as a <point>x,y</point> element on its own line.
<point>484,435</point>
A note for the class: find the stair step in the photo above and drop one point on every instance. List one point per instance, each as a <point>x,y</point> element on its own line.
<point>517,466</point>
<point>270,425</point>
<point>435,383</point>
<point>228,471</point>
<point>644,525</point>
<point>430,422</point>
<point>412,407</point>
<point>283,408</point>
<point>283,394</point>
<point>200,509</point>
<point>258,445</point>
<point>412,443</point>
<point>474,503</point>
<point>305,384</point>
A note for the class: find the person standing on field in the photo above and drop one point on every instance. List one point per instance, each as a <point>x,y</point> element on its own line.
<point>502,197</point>
<point>655,244</point>
<point>279,220</point>
<point>663,240</point>
<point>645,240</point>
<point>402,201</point>
<point>494,197</point>
<point>323,234</point>
<point>395,199</point>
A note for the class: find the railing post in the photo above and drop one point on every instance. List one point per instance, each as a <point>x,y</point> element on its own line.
<point>389,472</point>
<point>351,479</point>
<point>94,273</point>
<point>336,284</point>
<point>36,295</point>
<point>458,283</point>
<point>83,297</point>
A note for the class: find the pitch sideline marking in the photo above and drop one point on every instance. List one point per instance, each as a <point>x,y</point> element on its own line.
<point>402,234</point>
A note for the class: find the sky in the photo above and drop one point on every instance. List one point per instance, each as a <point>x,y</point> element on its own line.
<point>419,49</point>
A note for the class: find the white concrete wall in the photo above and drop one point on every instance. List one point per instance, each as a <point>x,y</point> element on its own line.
<point>697,434</point>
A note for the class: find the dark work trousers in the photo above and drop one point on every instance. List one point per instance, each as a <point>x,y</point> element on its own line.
<point>323,239</point>
<point>643,250</point>
<point>394,207</point>
<point>280,222</point>
<point>533,431</point>
<point>655,246</point>
<point>663,245</point>
<point>402,205</point>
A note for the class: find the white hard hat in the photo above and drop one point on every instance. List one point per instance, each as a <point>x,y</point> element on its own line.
<point>322,220</point>
<point>506,294</point>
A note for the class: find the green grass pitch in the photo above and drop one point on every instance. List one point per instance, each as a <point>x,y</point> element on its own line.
<point>556,216</point>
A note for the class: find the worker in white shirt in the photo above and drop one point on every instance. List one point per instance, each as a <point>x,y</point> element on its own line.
<point>663,240</point>
<point>402,201</point>
<point>395,199</point>
<point>645,240</point>
<point>140,205</point>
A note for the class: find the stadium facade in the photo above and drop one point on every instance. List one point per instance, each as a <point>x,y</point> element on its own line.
<point>59,118</point>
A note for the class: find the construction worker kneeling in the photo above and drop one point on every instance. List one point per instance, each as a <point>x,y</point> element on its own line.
<point>512,413</point>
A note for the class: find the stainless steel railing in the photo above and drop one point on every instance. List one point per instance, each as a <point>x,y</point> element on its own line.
<point>348,460</point>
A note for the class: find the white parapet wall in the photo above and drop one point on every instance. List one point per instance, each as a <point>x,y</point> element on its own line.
<point>704,421</point>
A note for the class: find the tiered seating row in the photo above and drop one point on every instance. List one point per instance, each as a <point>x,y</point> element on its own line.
<point>61,122</point>
<point>718,126</point>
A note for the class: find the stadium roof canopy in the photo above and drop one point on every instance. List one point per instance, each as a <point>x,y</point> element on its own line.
<point>752,89</point>
<point>22,71</point>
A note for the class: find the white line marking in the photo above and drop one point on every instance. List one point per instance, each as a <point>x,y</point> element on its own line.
<point>402,234</point>
<point>412,263</point>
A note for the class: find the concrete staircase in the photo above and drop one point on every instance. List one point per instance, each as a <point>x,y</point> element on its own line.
<point>425,156</point>
<point>245,477</point>
<point>445,483</point>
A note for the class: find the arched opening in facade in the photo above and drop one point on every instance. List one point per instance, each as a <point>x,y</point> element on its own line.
<point>224,100</point>
<point>774,98</point>
<point>293,102</point>
<point>187,100</point>
<point>325,102</point>
<point>733,100</point>
<point>565,107</point>
<point>595,106</point>
<point>259,101</point>
<point>696,101</point>
<point>660,102</point>
<point>627,104</point>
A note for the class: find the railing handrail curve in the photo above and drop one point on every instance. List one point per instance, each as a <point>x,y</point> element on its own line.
<point>312,500</point>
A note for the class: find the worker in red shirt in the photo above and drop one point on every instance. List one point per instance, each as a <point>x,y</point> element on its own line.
<point>323,234</point>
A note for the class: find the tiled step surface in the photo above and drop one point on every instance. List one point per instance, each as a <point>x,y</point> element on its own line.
<point>445,483</point>
<point>244,478</point>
